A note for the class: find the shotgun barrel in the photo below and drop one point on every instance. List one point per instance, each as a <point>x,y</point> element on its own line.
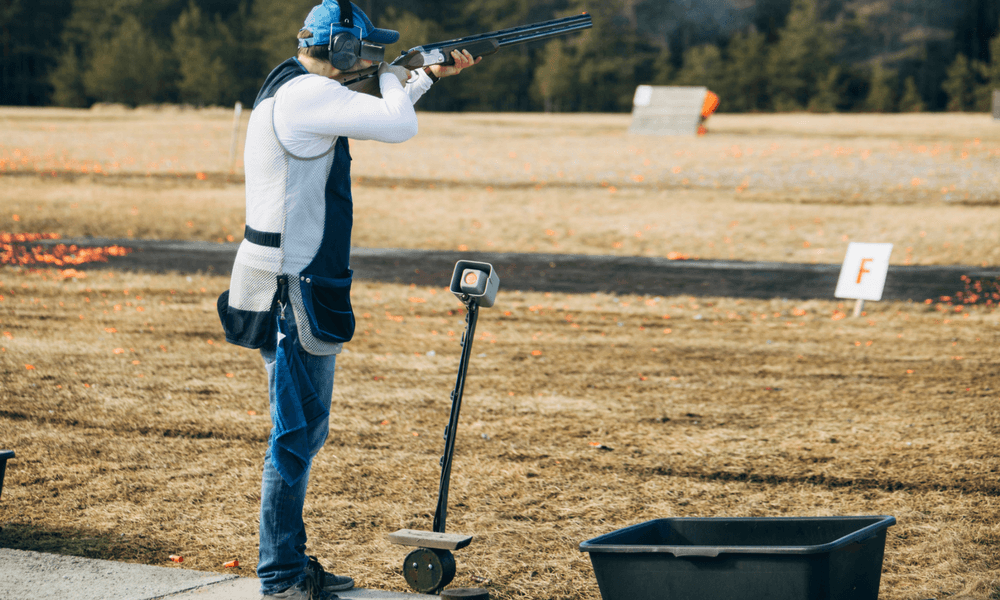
<point>483,44</point>
<point>517,35</point>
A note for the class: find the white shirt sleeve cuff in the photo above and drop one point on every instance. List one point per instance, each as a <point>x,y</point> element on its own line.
<point>418,83</point>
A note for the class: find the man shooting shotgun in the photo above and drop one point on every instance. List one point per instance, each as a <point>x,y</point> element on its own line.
<point>289,295</point>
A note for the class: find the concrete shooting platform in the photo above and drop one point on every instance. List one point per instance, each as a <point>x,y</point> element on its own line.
<point>26,575</point>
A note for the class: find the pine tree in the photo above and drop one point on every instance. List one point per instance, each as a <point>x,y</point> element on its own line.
<point>911,101</point>
<point>413,31</point>
<point>803,53</point>
<point>129,68</point>
<point>745,81</point>
<point>990,76</point>
<point>275,25</point>
<point>976,25</point>
<point>961,84</point>
<point>553,80</point>
<point>880,95</point>
<point>204,53</point>
<point>663,68</point>
<point>67,81</point>
<point>703,65</point>
<point>499,83</point>
<point>770,16</point>
<point>29,49</point>
<point>95,51</point>
<point>498,14</point>
<point>827,93</point>
<point>610,60</point>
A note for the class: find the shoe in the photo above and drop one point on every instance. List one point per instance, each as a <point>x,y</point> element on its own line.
<point>328,582</point>
<point>305,590</point>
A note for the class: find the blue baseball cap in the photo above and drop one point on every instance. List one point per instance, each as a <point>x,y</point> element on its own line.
<point>324,19</point>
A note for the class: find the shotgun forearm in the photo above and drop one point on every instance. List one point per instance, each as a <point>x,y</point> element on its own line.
<point>440,54</point>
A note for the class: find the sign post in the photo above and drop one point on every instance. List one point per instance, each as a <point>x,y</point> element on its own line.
<point>862,276</point>
<point>237,111</point>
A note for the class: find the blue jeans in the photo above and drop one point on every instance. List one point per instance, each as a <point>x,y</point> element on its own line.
<point>283,559</point>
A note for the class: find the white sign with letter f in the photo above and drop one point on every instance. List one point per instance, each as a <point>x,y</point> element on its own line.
<point>862,276</point>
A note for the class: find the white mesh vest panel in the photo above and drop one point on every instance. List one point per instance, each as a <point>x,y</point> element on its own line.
<point>284,194</point>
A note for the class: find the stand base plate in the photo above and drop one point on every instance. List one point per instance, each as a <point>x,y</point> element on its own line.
<point>430,539</point>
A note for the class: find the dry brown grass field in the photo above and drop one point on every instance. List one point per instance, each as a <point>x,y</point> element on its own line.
<point>793,188</point>
<point>140,433</point>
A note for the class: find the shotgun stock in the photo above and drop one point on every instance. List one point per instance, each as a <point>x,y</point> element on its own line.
<point>478,45</point>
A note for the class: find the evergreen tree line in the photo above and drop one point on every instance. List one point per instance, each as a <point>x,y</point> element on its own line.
<point>798,69</point>
<point>775,55</point>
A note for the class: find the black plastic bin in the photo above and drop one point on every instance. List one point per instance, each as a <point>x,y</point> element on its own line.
<point>782,558</point>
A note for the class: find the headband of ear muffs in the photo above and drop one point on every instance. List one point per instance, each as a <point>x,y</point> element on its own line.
<point>345,47</point>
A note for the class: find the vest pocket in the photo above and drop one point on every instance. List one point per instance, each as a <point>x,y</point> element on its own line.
<point>328,303</point>
<point>246,328</point>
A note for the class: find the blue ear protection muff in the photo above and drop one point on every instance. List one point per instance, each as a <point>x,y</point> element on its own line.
<point>345,47</point>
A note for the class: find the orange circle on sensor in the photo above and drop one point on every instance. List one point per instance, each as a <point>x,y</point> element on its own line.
<point>471,278</point>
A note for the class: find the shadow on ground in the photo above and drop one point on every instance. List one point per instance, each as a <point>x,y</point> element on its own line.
<point>81,542</point>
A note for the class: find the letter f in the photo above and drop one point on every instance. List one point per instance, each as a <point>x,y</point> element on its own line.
<point>863,270</point>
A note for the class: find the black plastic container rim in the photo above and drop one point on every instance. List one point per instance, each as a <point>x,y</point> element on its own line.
<point>861,535</point>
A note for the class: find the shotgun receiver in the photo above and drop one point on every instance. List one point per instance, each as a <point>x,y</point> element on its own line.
<point>478,45</point>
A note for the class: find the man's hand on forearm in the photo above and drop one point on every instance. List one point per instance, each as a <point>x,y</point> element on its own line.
<point>463,60</point>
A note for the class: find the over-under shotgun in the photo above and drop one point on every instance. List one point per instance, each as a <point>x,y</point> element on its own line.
<point>478,45</point>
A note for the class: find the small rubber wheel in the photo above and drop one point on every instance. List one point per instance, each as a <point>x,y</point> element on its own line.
<point>427,570</point>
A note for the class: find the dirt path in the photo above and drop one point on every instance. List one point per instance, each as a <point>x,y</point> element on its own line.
<point>566,273</point>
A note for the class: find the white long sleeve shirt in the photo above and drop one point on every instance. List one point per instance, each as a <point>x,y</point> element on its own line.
<point>311,110</point>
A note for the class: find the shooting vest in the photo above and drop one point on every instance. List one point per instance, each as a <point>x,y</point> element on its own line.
<point>296,247</point>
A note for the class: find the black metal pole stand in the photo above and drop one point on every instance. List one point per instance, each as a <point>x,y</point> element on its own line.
<point>431,567</point>
<point>450,432</point>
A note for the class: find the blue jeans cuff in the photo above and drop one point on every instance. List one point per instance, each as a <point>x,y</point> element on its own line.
<point>277,589</point>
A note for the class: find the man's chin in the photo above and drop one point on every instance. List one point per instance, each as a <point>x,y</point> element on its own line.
<point>359,68</point>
